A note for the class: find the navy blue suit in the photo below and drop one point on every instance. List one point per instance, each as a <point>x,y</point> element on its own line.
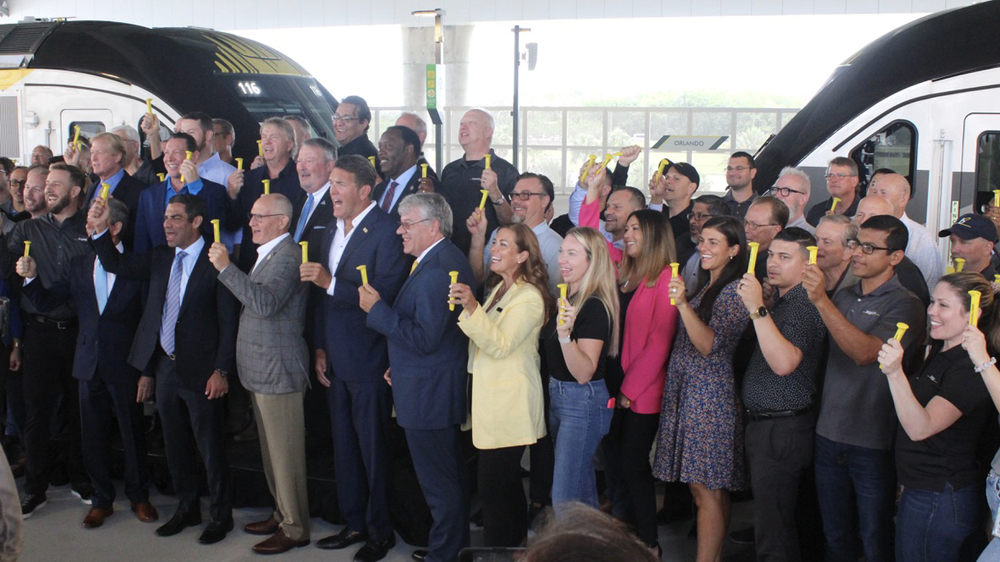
<point>205,341</point>
<point>429,355</point>
<point>410,188</point>
<point>152,206</point>
<point>108,384</point>
<point>358,397</point>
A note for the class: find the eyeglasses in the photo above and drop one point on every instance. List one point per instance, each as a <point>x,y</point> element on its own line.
<point>524,195</point>
<point>408,225</point>
<point>698,216</point>
<point>17,182</point>
<point>866,248</point>
<point>750,225</point>
<point>259,217</point>
<point>740,169</point>
<point>344,118</point>
<point>838,176</point>
<point>783,191</point>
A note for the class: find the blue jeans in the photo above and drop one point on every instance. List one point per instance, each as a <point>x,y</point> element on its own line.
<point>931,526</point>
<point>849,476</point>
<point>579,417</point>
<point>992,552</point>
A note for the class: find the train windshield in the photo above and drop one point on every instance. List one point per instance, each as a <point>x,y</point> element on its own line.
<point>278,95</point>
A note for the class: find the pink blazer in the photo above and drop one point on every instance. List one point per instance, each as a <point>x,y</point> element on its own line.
<point>650,326</point>
<point>590,215</point>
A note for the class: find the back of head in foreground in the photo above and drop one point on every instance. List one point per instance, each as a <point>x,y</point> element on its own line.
<point>582,534</point>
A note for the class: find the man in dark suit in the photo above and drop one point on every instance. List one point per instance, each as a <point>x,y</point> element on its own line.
<point>153,201</point>
<point>398,150</point>
<point>413,122</point>
<point>107,157</point>
<point>245,187</point>
<point>108,309</point>
<point>186,340</point>
<point>273,361</point>
<point>428,355</point>
<point>363,235</point>
<point>315,213</point>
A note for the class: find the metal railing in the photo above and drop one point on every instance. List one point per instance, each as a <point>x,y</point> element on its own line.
<point>556,141</point>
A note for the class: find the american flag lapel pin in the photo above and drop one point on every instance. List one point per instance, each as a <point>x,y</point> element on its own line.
<point>364,229</point>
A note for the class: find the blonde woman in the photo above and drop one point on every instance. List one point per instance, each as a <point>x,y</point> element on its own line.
<point>576,345</point>
<point>507,410</point>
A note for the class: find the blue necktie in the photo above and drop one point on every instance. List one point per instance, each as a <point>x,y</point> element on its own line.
<point>100,285</point>
<point>303,218</point>
<point>172,307</point>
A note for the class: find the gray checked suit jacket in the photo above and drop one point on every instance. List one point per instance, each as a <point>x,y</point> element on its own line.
<point>271,353</point>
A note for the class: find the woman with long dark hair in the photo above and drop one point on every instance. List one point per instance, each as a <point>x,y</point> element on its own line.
<point>701,431</point>
<point>507,410</point>
<point>942,411</point>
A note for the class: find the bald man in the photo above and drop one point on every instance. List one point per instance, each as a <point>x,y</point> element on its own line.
<point>922,247</point>
<point>909,274</point>
<point>463,179</point>
<point>416,124</point>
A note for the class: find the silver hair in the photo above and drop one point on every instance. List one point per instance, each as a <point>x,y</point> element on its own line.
<point>432,206</point>
<point>850,232</point>
<point>130,132</point>
<point>329,150</point>
<point>802,176</point>
<point>420,124</point>
<point>117,211</point>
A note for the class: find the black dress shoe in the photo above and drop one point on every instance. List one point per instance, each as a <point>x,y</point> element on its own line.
<point>419,555</point>
<point>373,551</point>
<point>215,531</point>
<point>343,539</point>
<point>178,523</point>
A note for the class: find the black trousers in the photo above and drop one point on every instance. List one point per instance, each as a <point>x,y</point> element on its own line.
<point>778,451</point>
<point>505,510</point>
<point>637,434</point>
<point>50,389</point>
<point>100,403</point>
<point>189,419</point>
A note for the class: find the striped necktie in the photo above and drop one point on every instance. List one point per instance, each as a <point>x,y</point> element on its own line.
<point>172,307</point>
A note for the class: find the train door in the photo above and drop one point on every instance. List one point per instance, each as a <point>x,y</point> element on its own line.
<point>90,121</point>
<point>979,174</point>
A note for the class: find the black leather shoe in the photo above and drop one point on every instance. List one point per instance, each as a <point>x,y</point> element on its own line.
<point>373,551</point>
<point>343,539</point>
<point>419,555</point>
<point>178,523</point>
<point>215,531</point>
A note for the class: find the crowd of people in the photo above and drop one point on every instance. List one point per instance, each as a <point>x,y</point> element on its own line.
<point>729,343</point>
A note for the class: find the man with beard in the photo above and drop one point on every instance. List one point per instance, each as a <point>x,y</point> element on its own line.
<point>50,336</point>
<point>793,187</point>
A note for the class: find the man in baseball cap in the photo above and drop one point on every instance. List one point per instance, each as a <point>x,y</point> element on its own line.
<point>972,238</point>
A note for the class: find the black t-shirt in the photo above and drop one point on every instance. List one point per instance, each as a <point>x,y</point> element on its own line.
<point>949,456</point>
<point>592,323</point>
<point>614,375</point>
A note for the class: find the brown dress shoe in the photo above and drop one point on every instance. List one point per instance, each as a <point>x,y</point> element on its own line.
<point>145,512</point>
<point>96,516</point>
<point>278,543</point>
<point>267,527</point>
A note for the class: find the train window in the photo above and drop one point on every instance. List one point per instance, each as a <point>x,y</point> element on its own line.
<point>988,164</point>
<point>88,129</point>
<point>271,96</point>
<point>894,147</point>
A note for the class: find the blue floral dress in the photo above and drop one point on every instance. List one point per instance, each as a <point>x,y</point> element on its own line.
<point>701,428</point>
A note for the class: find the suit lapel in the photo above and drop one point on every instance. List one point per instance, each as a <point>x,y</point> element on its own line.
<point>200,270</point>
<point>360,234</point>
<point>429,258</point>
<point>267,259</point>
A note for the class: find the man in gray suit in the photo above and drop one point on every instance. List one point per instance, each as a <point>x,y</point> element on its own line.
<point>273,361</point>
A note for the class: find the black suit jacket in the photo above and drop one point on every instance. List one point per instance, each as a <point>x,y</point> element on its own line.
<point>408,189</point>
<point>127,191</point>
<point>315,233</point>
<point>205,335</point>
<point>104,339</point>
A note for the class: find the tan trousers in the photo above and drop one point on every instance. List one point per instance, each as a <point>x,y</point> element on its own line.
<point>281,427</point>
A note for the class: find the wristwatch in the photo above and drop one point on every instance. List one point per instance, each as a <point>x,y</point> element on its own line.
<point>499,200</point>
<point>759,313</point>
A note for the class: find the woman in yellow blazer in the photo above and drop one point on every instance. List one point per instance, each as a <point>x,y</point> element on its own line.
<point>507,409</point>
